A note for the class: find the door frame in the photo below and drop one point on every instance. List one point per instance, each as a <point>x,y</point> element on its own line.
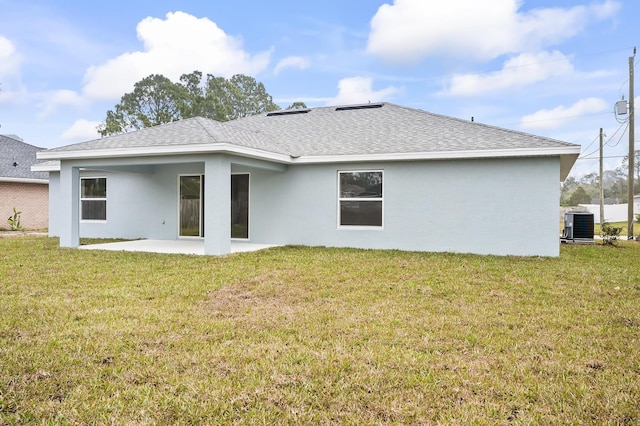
<point>201,209</point>
<point>248,206</point>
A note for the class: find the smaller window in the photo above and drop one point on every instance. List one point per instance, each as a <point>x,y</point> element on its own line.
<point>93,198</point>
<point>360,198</point>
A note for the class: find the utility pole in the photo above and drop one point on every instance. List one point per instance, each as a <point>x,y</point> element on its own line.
<point>601,184</point>
<point>631,149</point>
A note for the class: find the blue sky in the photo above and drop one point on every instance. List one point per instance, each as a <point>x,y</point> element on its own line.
<point>552,68</point>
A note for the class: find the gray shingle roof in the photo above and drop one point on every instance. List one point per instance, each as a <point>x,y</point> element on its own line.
<point>23,155</point>
<point>330,131</point>
<point>190,131</point>
<point>385,128</point>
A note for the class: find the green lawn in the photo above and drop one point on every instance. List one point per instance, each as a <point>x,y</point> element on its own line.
<point>318,336</point>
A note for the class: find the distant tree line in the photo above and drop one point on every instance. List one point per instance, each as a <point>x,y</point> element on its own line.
<point>157,100</point>
<point>615,185</point>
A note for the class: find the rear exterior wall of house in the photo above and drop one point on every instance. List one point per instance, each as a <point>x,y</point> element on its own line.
<point>32,199</point>
<point>503,206</point>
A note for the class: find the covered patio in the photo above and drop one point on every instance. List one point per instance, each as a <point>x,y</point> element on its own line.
<point>182,246</point>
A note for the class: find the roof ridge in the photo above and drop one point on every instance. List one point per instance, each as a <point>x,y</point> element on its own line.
<point>199,119</point>
<point>478,123</point>
<point>273,140</point>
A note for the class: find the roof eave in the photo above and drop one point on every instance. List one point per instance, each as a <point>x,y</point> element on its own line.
<point>218,148</point>
<point>24,180</point>
<point>568,155</point>
<point>47,166</point>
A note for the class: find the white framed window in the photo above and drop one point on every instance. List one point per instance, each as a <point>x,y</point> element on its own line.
<point>93,198</point>
<point>360,198</point>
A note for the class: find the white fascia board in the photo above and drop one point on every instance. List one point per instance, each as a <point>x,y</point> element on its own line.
<point>24,180</point>
<point>222,148</point>
<point>441,155</point>
<point>225,148</point>
<point>49,166</point>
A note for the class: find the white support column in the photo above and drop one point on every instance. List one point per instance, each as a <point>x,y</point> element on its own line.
<point>217,205</point>
<point>69,206</point>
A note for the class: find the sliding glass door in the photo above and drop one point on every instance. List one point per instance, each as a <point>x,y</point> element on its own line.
<point>191,206</point>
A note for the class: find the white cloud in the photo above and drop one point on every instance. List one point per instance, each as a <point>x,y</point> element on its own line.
<point>556,117</point>
<point>179,44</point>
<point>9,58</point>
<point>356,90</point>
<point>52,100</point>
<point>409,30</point>
<point>519,71</point>
<point>291,62</point>
<point>80,131</point>
<point>9,96</point>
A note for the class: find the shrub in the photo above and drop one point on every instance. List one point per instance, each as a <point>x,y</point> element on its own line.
<point>14,220</point>
<point>609,233</point>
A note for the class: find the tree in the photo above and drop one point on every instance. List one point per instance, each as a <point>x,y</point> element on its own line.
<point>193,105</point>
<point>636,164</point>
<point>240,96</point>
<point>568,187</point>
<point>297,105</point>
<point>157,100</point>
<point>615,185</point>
<point>624,169</point>
<point>579,196</point>
<point>590,180</point>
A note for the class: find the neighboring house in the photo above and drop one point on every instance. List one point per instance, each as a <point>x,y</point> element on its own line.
<point>20,188</point>
<point>378,176</point>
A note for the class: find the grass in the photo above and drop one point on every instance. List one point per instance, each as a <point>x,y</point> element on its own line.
<point>318,336</point>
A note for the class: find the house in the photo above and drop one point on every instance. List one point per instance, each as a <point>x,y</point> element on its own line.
<point>377,175</point>
<point>20,188</point>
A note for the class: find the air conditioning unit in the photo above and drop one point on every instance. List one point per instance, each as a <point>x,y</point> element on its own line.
<point>578,228</point>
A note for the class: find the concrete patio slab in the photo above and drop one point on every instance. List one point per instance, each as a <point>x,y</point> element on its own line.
<point>171,246</point>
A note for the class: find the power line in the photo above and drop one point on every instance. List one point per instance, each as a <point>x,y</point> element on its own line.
<point>583,156</point>
<point>621,135</point>
<point>606,156</point>
<point>592,142</point>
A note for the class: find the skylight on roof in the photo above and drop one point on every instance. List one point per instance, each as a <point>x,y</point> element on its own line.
<point>361,106</point>
<point>289,112</point>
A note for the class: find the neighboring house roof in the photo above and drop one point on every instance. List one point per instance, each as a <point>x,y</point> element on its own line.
<point>368,132</point>
<point>16,159</point>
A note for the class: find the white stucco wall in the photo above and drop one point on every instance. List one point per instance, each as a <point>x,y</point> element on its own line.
<point>475,206</point>
<point>142,203</point>
<point>492,206</point>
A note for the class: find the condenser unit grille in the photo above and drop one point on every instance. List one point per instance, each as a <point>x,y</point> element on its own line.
<point>578,226</point>
<point>583,226</point>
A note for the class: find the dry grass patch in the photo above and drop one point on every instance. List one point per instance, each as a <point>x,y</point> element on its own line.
<point>316,335</point>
